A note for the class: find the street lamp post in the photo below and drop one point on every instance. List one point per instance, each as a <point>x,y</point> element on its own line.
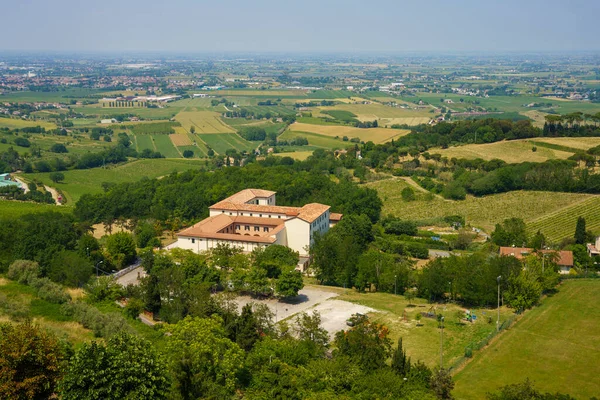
<point>395,284</point>
<point>97,264</point>
<point>442,342</point>
<point>498,320</point>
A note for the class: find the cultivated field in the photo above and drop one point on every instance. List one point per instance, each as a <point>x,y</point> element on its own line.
<point>316,140</point>
<point>561,223</point>
<point>410,121</point>
<point>555,345</point>
<point>377,135</point>
<point>582,143</point>
<point>298,155</point>
<point>18,208</point>
<point>180,139</point>
<point>483,212</point>
<point>203,122</point>
<point>80,181</point>
<point>511,151</point>
<point>370,112</point>
<point>14,123</point>
<point>224,141</point>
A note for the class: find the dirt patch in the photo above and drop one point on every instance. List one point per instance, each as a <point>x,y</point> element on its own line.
<point>3,281</point>
<point>100,230</point>
<point>76,294</point>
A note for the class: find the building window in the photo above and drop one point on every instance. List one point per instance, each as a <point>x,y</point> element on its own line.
<point>269,215</point>
<point>230,213</point>
<point>193,240</point>
<point>260,215</point>
<point>246,228</point>
<point>266,229</point>
<point>279,216</point>
<point>250,214</point>
<point>257,229</point>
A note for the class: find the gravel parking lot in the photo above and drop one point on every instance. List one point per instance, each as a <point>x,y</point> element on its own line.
<point>334,313</point>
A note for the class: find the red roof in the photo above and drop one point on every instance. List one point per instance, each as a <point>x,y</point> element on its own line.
<point>564,257</point>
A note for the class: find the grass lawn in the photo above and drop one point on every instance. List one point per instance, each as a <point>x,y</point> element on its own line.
<point>511,151</point>
<point>423,342</point>
<point>79,182</point>
<point>483,212</point>
<point>555,345</point>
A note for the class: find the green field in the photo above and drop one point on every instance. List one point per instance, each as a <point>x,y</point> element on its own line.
<point>423,342</point>
<point>203,122</point>
<point>18,208</point>
<point>146,113</point>
<point>483,212</point>
<point>561,223</point>
<point>143,142</point>
<point>81,181</point>
<point>223,141</point>
<point>14,123</point>
<point>555,345</point>
<point>165,146</point>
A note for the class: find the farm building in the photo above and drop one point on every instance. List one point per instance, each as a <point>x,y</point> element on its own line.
<point>563,258</point>
<point>594,248</point>
<point>250,219</point>
<point>6,180</point>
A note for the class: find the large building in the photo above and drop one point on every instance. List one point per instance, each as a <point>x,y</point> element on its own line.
<point>563,258</point>
<point>251,219</point>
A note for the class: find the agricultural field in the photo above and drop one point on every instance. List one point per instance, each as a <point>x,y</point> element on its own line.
<point>165,146</point>
<point>482,212</point>
<point>80,181</point>
<point>297,155</point>
<point>76,144</point>
<point>561,223</point>
<point>375,111</point>
<point>376,135</point>
<point>511,151</point>
<point>14,123</point>
<point>554,345</point>
<point>100,112</point>
<point>582,143</point>
<point>203,122</point>
<point>143,142</point>
<point>316,140</point>
<point>224,141</point>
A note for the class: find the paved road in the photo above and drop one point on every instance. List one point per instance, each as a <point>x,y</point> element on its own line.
<point>132,277</point>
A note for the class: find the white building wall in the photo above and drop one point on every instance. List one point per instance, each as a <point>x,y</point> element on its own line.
<point>321,225</point>
<point>199,245</point>
<point>298,235</point>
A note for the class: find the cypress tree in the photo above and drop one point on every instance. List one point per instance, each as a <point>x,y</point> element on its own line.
<point>580,231</point>
<point>400,362</point>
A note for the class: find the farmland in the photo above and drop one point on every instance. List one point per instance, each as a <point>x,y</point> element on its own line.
<point>376,135</point>
<point>79,182</point>
<point>555,345</point>
<point>203,122</point>
<point>561,223</point>
<point>224,141</point>
<point>14,123</point>
<point>483,212</point>
<point>316,140</point>
<point>511,151</point>
<point>18,208</point>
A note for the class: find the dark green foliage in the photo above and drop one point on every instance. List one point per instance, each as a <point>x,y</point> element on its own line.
<point>121,249</point>
<point>580,234</point>
<point>22,142</point>
<point>70,268</point>
<point>399,227</point>
<point>253,133</point>
<point>58,148</point>
<point>441,383</point>
<point>400,361</point>
<point>188,153</point>
<point>289,283</point>
<point>408,194</point>
<point>511,232</point>
<point>57,177</point>
<point>125,368</point>
<point>246,331</point>
<point>146,235</point>
<point>525,391</point>
<point>366,343</point>
<point>103,325</point>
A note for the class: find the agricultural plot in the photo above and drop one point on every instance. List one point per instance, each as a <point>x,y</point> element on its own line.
<point>13,123</point>
<point>329,94</point>
<point>296,155</point>
<point>582,143</point>
<point>410,121</point>
<point>80,181</point>
<point>143,142</point>
<point>283,110</point>
<point>165,146</point>
<point>511,151</point>
<point>165,113</point>
<point>224,141</point>
<point>256,93</point>
<point>376,135</point>
<point>180,139</point>
<point>203,122</point>
<point>316,140</point>
<point>19,208</point>
<point>561,223</point>
<point>482,212</point>
<point>555,345</point>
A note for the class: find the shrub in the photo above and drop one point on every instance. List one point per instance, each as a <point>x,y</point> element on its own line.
<point>58,148</point>
<point>104,288</point>
<point>23,271</point>
<point>22,142</point>
<point>103,325</point>
<point>50,291</point>
<point>134,308</point>
<point>188,153</point>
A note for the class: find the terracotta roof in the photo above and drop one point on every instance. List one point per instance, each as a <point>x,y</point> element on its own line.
<point>246,195</point>
<point>335,216</point>
<point>227,205</point>
<point>312,211</point>
<point>565,257</point>
<point>210,227</point>
<point>232,237</point>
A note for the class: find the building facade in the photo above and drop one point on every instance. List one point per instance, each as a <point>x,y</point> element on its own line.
<point>250,219</point>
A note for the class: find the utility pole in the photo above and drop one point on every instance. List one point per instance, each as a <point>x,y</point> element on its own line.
<point>498,320</point>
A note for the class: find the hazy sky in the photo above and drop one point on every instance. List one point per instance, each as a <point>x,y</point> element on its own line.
<point>303,26</point>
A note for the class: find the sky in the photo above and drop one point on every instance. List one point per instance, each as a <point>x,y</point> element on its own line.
<point>318,26</point>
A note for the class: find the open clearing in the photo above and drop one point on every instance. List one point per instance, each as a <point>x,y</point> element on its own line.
<point>483,212</point>
<point>376,135</point>
<point>80,181</point>
<point>203,122</point>
<point>555,345</point>
<point>511,151</point>
<point>14,123</point>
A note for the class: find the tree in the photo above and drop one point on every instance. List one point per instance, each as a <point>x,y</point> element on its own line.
<point>188,153</point>
<point>580,234</point>
<point>57,177</point>
<point>204,360</point>
<point>442,384</point>
<point>58,148</point>
<point>70,268</point>
<point>192,129</point>
<point>400,362</point>
<point>309,329</point>
<point>408,194</point>
<point>289,283</point>
<point>525,391</point>
<point>121,249</point>
<point>367,344</point>
<point>30,362</point>
<point>511,232</point>
<point>127,367</point>
<point>246,330</point>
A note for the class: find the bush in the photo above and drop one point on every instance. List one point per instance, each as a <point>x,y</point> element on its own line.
<point>103,325</point>
<point>104,288</point>
<point>417,250</point>
<point>23,271</point>
<point>50,291</point>
<point>22,142</point>
<point>134,308</point>
<point>188,153</point>
<point>58,148</point>
<point>398,227</point>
